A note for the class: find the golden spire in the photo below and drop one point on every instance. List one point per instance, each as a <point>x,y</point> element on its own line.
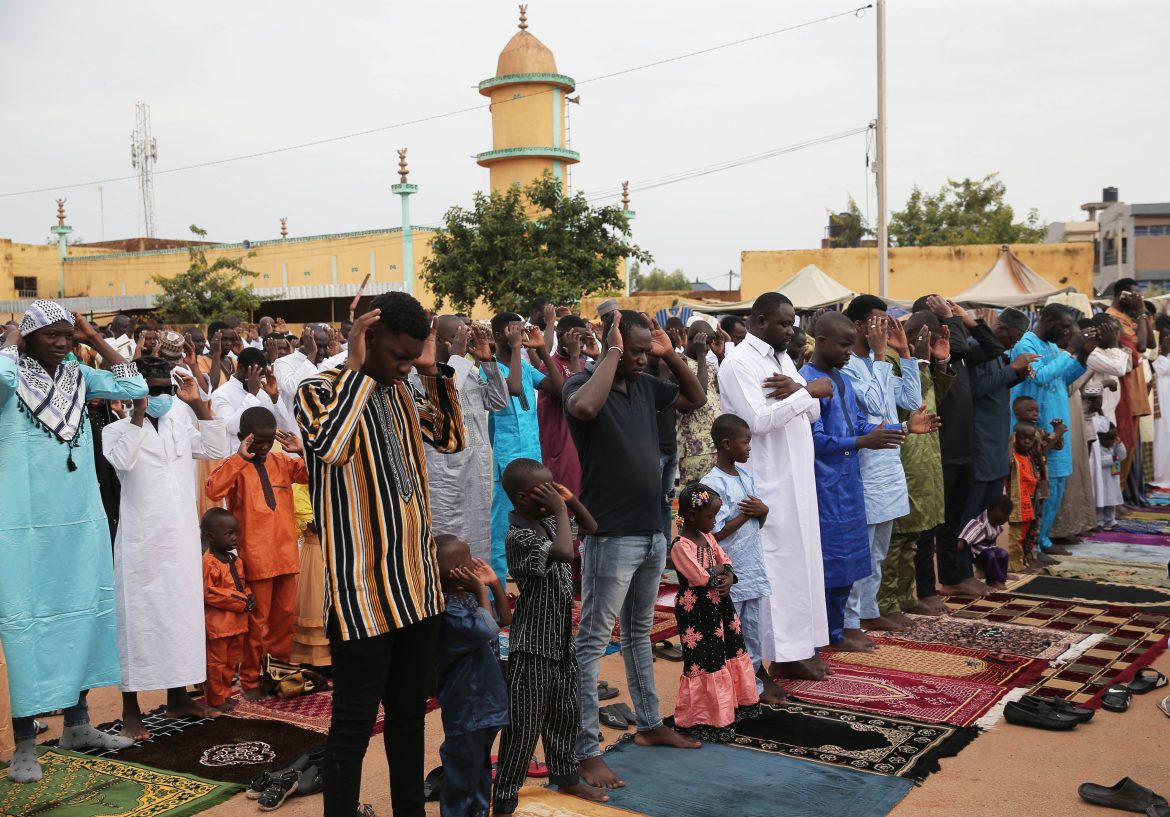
<point>625,195</point>
<point>61,212</point>
<point>284,227</point>
<point>523,16</point>
<point>403,171</point>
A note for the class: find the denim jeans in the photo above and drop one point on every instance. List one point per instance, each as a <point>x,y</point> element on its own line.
<point>619,577</point>
<point>24,729</point>
<point>863,597</point>
<point>669,465</point>
<point>748,611</point>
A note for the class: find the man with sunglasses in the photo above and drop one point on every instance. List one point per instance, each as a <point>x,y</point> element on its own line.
<point>158,572</point>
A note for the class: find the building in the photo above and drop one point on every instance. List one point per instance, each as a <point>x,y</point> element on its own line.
<point>312,277</point>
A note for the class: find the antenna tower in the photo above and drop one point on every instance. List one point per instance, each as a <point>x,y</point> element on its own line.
<point>143,155</point>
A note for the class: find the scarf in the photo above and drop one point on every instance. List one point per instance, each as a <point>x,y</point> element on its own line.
<point>55,404</point>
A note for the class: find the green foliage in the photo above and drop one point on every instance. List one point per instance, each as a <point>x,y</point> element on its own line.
<point>659,279</point>
<point>853,226</point>
<point>207,292</point>
<point>516,245</point>
<point>963,212</point>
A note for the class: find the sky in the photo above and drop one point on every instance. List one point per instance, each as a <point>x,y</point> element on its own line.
<point>1060,98</point>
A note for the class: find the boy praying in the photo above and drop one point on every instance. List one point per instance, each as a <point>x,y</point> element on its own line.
<point>227,602</point>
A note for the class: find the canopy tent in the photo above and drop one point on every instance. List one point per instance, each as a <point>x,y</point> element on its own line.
<point>1009,282</point>
<point>809,289</point>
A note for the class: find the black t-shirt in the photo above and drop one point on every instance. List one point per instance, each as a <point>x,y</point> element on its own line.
<point>621,482</point>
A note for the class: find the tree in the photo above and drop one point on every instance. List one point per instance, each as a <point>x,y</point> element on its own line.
<point>515,245</point>
<point>963,212</point>
<point>659,279</point>
<point>207,292</point>
<point>851,226</point>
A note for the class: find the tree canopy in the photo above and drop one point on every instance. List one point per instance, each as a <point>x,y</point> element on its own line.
<point>515,245</point>
<point>659,279</point>
<point>207,291</point>
<point>963,212</point>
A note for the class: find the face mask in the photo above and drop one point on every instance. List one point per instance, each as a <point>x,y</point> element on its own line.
<point>158,406</point>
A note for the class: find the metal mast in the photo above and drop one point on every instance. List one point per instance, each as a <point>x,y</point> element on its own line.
<point>143,155</point>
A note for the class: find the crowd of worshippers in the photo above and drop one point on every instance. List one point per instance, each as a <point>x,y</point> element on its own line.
<point>377,500</point>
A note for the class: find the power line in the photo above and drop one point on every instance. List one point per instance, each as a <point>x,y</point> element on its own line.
<point>856,12</point>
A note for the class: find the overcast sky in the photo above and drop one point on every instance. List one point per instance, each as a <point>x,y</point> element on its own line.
<point>1061,98</point>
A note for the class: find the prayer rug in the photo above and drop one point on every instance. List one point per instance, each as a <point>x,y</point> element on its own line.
<point>1125,551</point>
<point>893,693</point>
<point>717,779</point>
<point>76,785</point>
<point>665,626</point>
<point>666,593</point>
<point>539,801</point>
<point>1017,639</point>
<point>1102,593</point>
<point>1122,537</point>
<point>854,740</point>
<point>160,726</point>
<point>1142,523</point>
<point>1130,640</point>
<point>1110,571</point>
<point>312,712</point>
<point>940,661</point>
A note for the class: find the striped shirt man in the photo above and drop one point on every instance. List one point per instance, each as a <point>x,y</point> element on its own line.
<point>368,475</point>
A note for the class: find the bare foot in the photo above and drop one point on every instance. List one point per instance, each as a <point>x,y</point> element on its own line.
<point>968,587</point>
<point>665,736</point>
<point>133,727</point>
<point>1045,559</point>
<point>227,706</point>
<point>1059,550</point>
<point>821,665</point>
<point>806,670</point>
<point>1011,577</point>
<point>182,705</point>
<point>253,694</point>
<point>773,693</point>
<point>901,619</point>
<point>596,773</point>
<point>931,606</point>
<point>887,623</point>
<point>585,792</point>
<point>855,641</point>
<point>997,586</point>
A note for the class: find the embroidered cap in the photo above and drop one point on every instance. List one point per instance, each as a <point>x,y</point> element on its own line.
<point>170,345</point>
<point>40,314</point>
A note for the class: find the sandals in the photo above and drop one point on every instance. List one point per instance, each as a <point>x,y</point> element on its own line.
<point>1125,795</point>
<point>605,691</point>
<point>1147,680</point>
<point>434,784</point>
<point>536,768</point>
<point>613,718</point>
<point>664,649</point>
<point>1117,698</point>
<point>1164,705</point>
<point>280,786</point>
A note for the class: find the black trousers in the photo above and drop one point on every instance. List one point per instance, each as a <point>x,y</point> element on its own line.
<point>542,694</point>
<point>925,582</point>
<point>397,670</point>
<point>953,565</point>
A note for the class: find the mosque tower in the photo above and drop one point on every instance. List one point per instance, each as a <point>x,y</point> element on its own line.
<point>528,113</point>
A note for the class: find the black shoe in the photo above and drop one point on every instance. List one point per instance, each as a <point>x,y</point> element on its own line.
<point>1081,713</point>
<point>312,781</point>
<point>1038,717</point>
<point>1125,795</point>
<point>278,790</point>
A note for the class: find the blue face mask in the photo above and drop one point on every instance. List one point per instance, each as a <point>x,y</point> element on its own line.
<point>158,406</point>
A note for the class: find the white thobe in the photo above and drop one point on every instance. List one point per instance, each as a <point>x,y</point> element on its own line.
<point>158,564</point>
<point>290,370</point>
<point>793,621</point>
<point>1106,484</point>
<point>231,400</point>
<point>1162,423</point>
<point>1105,365</point>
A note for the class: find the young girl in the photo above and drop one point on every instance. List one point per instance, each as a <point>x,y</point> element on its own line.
<point>718,686</point>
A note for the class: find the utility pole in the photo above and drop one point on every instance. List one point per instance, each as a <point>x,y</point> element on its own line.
<point>883,239</point>
<point>143,155</point>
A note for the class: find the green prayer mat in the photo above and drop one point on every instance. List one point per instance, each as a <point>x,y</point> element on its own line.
<point>76,785</point>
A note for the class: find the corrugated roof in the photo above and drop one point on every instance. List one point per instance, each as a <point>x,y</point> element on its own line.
<point>1157,209</point>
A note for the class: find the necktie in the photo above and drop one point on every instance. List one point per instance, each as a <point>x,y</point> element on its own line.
<point>266,484</point>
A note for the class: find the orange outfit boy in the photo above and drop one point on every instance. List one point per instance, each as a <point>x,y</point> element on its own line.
<point>257,483</point>
<point>226,602</point>
<point>1023,524</point>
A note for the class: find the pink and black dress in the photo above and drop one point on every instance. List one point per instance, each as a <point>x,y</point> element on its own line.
<point>718,685</point>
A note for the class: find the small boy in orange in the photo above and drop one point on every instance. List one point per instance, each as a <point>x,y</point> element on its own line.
<point>226,604</point>
<point>1024,522</point>
<point>257,483</point>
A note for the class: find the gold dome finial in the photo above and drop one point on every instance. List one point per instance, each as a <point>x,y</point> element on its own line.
<point>403,170</point>
<point>523,16</point>
<point>61,212</point>
<point>284,227</point>
<point>625,195</point>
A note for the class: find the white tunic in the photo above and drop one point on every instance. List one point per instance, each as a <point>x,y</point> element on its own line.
<point>793,621</point>
<point>1162,423</point>
<point>1106,484</point>
<point>231,400</point>
<point>158,564</point>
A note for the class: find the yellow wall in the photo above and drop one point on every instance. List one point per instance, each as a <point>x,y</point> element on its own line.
<point>916,271</point>
<point>35,260</point>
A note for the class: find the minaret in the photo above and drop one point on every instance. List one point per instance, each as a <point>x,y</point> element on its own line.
<point>61,230</point>
<point>528,113</point>
<point>405,190</point>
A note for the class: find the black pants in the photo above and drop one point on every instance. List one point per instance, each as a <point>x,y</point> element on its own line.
<point>467,773</point>
<point>543,698</point>
<point>953,565</point>
<point>925,582</point>
<point>396,670</point>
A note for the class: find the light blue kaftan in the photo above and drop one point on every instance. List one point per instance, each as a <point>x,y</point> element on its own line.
<point>881,393</point>
<point>1054,371</point>
<point>57,621</point>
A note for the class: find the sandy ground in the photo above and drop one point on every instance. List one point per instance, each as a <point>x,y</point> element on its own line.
<point>1008,772</point>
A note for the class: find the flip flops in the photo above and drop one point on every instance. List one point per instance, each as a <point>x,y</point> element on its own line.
<point>1164,705</point>
<point>1117,698</point>
<point>1125,795</point>
<point>664,649</point>
<point>1147,680</point>
<point>605,692</point>
<point>433,784</point>
<point>537,768</point>
<point>613,718</point>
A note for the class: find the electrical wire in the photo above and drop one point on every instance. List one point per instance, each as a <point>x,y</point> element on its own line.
<point>856,12</point>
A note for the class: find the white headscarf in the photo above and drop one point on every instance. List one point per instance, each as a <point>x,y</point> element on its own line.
<point>54,401</point>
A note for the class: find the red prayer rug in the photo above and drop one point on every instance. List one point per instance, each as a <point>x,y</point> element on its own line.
<point>940,661</point>
<point>312,712</point>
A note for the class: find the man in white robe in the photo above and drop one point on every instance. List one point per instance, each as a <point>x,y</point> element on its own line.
<point>244,389</point>
<point>158,572</point>
<point>759,383</point>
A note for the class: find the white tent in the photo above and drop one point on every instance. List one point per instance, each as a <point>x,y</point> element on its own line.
<point>809,289</point>
<point>1009,282</point>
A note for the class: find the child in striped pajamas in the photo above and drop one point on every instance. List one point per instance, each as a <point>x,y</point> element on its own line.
<point>542,662</point>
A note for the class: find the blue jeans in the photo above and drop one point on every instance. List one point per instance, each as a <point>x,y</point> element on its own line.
<point>619,577</point>
<point>863,597</point>
<point>1051,509</point>
<point>669,465</point>
<point>748,611</point>
<point>24,729</point>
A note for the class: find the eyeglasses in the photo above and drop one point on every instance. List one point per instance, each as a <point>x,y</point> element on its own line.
<point>156,391</point>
